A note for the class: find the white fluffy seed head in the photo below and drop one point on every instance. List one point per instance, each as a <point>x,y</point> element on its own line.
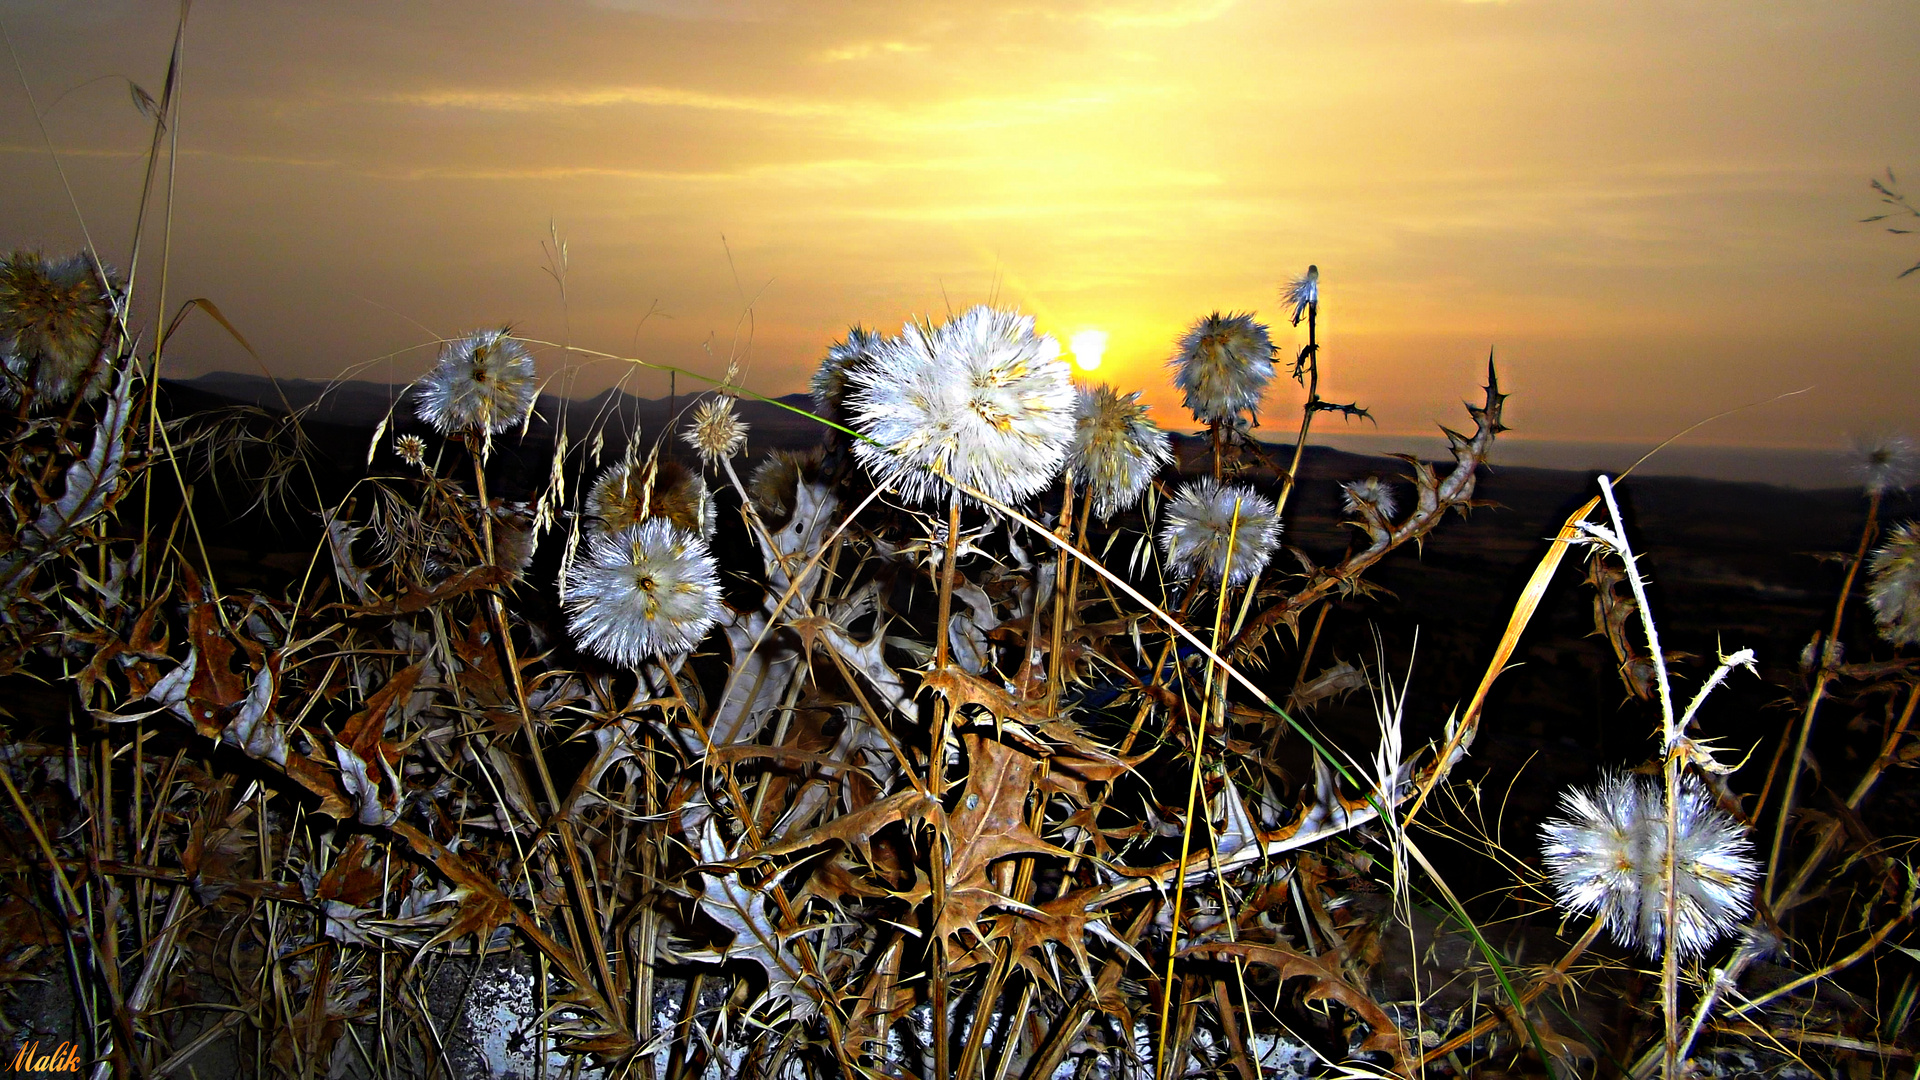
<point>1893,588</point>
<point>1223,367</point>
<point>484,383</point>
<point>982,399</point>
<point>1116,450</point>
<point>1209,530</point>
<point>1371,492</point>
<point>717,432</point>
<point>1607,853</point>
<point>645,590</point>
<point>1886,464</point>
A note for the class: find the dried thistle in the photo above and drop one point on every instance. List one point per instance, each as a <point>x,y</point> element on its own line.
<point>1303,293</point>
<point>716,432</point>
<point>1212,529</point>
<point>53,325</point>
<point>1885,464</point>
<point>412,449</point>
<point>829,383</point>
<point>776,480</point>
<point>1116,450</point>
<point>1609,852</point>
<point>483,383</point>
<point>1359,495</point>
<point>1223,367</point>
<point>647,589</point>
<point>1894,585</point>
<point>982,399</point>
<point>628,494</point>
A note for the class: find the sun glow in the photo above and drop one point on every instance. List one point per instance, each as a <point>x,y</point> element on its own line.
<point>1088,347</point>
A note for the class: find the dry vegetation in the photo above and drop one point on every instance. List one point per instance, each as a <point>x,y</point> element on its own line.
<point>972,768</point>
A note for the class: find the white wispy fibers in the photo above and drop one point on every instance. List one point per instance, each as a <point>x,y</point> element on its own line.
<point>982,399</point>
<point>647,589</point>
<point>1210,529</point>
<point>1885,464</point>
<point>1116,450</point>
<point>54,316</point>
<point>717,432</point>
<point>1893,588</point>
<point>1223,366</point>
<point>628,494</point>
<point>483,383</point>
<point>1303,293</point>
<point>1371,492</point>
<point>1608,854</point>
<point>829,383</point>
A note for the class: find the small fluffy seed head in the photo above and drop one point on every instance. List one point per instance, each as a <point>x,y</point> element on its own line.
<point>1608,853</point>
<point>54,316</point>
<point>1303,293</point>
<point>1894,585</point>
<point>622,497</point>
<point>412,449</point>
<point>483,384</point>
<point>1203,538</point>
<point>644,590</point>
<point>1223,366</point>
<point>1371,492</point>
<point>829,384</point>
<point>1116,450</point>
<point>717,432</point>
<point>776,480</point>
<point>983,399</point>
<point>1886,464</point>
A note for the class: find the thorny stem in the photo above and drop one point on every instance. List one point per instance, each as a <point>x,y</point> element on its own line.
<point>1825,654</point>
<point>1307,411</point>
<point>937,784</point>
<point>1056,674</point>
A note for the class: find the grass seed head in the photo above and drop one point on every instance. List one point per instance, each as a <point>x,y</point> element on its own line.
<point>1223,366</point>
<point>982,398</point>
<point>1116,450</point>
<point>1893,588</point>
<point>1607,853</point>
<point>54,316</point>
<point>717,432</point>
<point>648,589</point>
<point>483,383</point>
<point>622,498</point>
<point>1202,536</point>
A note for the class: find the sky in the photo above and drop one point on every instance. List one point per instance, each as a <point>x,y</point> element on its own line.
<point>1649,212</point>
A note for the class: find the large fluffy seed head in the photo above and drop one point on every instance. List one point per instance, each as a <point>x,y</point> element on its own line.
<point>483,383</point>
<point>1210,530</point>
<point>1894,585</point>
<point>982,399</point>
<point>1116,450</point>
<point>1223,366</point>
<point>717,432</point>
<point>829,384</point>
<point>1885,464</point>
<point>623,497</point>
<point>647,589</point>
<point>1608,854</point>
<point>54,316</point>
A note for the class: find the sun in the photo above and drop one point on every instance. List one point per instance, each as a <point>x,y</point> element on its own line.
<point>1088,346</point>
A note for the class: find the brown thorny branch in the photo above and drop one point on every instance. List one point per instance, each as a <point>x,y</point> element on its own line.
<point>785,811</point>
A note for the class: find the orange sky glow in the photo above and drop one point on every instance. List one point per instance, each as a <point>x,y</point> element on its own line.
<point>1649,211</point>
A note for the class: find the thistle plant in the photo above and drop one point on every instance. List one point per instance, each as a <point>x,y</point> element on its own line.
<point>54,321</point>
<point>645,590</point>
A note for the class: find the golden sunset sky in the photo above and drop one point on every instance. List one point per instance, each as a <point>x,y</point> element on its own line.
<point>1649,210</point>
